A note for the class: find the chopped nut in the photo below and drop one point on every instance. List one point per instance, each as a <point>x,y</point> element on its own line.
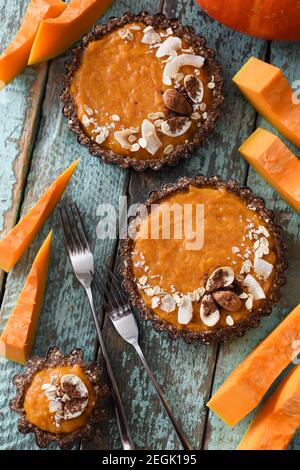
<point>103,134</point>
<point>155,302</point>
<point>211,85</point>
<point>228,300</point>
<point>194,88</point>
<point>229,320</point>
<point>176,126</point>
<point>143,143</point>
<point>179,76</point>
<point>132,139</point>
<point>209,312</point>
<point>143,280</point>
<point>195,116</point>
<point>86,121</point>
<point>126,35</point>
<point>135,148</point>
<point>221,277</point>
<point>168,149</point>
<point>88,110</point>
<point>115,117</point>
<point>176,102</point>
<point>153,116</point>
<point>122,136</point>
<point>172,67</point>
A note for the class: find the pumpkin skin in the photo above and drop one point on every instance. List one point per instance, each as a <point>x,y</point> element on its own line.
<point>266,19</point>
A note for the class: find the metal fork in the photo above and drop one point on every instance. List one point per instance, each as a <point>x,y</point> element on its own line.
<point>123,319</point>
<point>82,261</point>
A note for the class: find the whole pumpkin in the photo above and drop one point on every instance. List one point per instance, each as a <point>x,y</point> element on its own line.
<point>267,19</point>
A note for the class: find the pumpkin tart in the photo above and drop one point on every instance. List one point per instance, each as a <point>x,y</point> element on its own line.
<point>204,259</point>
<point>59,398</point>
<point>142,91</point>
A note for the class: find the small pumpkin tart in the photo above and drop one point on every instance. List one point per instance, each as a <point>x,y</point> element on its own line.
<point>142,91</point>
<point>59,398</point>
<point>203,259</point>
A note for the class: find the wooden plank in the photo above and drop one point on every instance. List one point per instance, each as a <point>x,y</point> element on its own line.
<point>65,319</point>
<point>184,371</point>
<point>286,57</point>
<point>20,103</point>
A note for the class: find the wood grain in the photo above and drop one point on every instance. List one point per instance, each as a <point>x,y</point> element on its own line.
<point>20,104</point>
<point>185,372</point>
<point>35,145</point>
<point>66,311</point>
<point>285,57</point>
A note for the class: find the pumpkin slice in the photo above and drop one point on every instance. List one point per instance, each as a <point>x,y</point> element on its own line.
<point>267,89</point>
<point>15,57</point>
<point>272,159</point>
<point>247,384</point>
<point>56,35</point>
<point>278,420</point>
<point>17,240</point>
<point>18,335</point>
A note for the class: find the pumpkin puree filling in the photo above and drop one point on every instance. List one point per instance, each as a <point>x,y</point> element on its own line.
<point>59,399</point>
<point>120,90</point>
<point>213,286</point>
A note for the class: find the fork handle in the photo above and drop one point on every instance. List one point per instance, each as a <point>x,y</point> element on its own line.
<point>160,394</point>
<point>125,436</point>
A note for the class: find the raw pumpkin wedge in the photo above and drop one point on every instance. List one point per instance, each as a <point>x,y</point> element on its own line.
<point>17,240</point>
<point>272,159</point>
<point>247,384</point>
<point>56,35</point>
<point>268,90</point>
<point>15,57</point>
<point>276,423</point>
<point>18,335</point>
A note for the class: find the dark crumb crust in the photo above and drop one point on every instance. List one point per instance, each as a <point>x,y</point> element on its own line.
<point>222,334</point>
<point>180,151</point>
<point>55,358</point>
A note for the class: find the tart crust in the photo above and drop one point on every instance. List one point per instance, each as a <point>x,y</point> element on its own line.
<point>56,358</point>
<point>252,320</point>
<point>180,151</point>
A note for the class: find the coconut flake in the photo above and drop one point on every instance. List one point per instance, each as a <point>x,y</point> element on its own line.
<point>103,134</point>
<point>185,311</point>
<point>253,287</point>
<point>262,268</point>
<point>149,134</point>
<point>169,47</point>
<point>151,37</point>
<point>122,136</point>
<point>172,67</point>
<point>168,304</point>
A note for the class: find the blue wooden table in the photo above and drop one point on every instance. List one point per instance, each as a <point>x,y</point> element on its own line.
<point>35,146</point>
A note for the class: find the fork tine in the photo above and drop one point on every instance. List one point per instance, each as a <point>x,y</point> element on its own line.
<point>85,237</point>
<point>70,242</point>
<point>114,283</point>
<point>76,231</point>
<point>102,292</point>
